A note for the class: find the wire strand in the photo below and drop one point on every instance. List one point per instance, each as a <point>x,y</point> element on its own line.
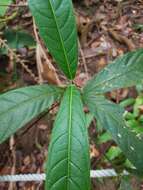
<point>40,177</point>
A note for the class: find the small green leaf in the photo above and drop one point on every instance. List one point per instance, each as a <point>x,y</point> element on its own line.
<point>110,116</point>
<point>127,102</point>
<point>18,39</point>
<point>113,152</point>
<point>105,137</point>
<point>138,103</point>
<point>19,106</point>
<point>57,27</point>
<point>68,157</point>
<point>138,27</point>
<point>3,8</point>
<point>125,71</point>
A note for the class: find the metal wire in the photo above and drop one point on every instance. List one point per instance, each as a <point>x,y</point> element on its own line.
<point>41,177</point>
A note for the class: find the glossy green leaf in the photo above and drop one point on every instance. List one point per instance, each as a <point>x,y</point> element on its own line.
<point>68,165</point>
<point>56,24</point>
<point>110,116</point>
<point>4,8</point>
<point>19,106</point>
<point>125,71</point>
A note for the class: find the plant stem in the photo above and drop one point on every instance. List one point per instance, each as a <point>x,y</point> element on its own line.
<point>11,17</point>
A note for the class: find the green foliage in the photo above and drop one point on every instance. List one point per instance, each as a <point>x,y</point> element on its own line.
<point>113,152</point>
<point>56,24</point>
<point>138,27</point>
<point>110,116</point>
<point>134,119</point>
<point>18,39</point>
<point>104,138</point>
<point>138,103</point>
<point>125,184</point>
<point>127,102</point>
<point>68,157</point>
<point>19,106</point>
<point>3,9</point>
<point>89,118</point>
<point>125,71</point>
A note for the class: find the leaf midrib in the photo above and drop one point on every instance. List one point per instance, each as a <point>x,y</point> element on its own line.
<point>61,40</point>
<point>69,135</point>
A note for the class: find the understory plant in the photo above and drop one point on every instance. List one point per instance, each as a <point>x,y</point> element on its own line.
<point>68,163</point>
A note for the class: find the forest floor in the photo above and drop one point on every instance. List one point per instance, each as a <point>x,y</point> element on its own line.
<point>107,29</point>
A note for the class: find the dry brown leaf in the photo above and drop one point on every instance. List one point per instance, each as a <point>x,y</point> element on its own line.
<point>45,68</point>
<point>122,39</point>
<point>141,108</point>
<point>84,26</point>
<point>42,126</point>
<point>101,64</point>
<point>94,153</point>
<point>27,160</point>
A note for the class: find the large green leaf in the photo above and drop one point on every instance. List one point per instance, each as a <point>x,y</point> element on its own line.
<point>19,106</point>
<point>125,71</point>
<point>56,24</point>
<point>110,116</point>
<point>68,157</point>
<point>3,8</point>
